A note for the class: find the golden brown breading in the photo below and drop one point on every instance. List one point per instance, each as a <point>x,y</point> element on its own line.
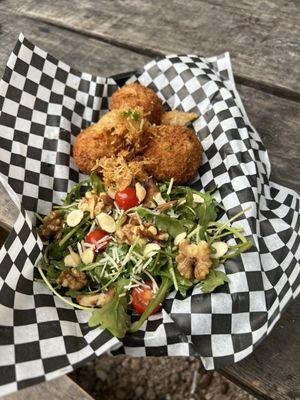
<point>178,118</point>
<point>93,143</point>
<point>174,152</point>
<point>115,133</point>
<point>136,95</point>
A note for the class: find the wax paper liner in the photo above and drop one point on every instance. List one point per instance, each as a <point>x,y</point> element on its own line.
<point>44,104</point>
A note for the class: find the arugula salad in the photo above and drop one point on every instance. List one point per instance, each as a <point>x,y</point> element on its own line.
<point>118,252</point>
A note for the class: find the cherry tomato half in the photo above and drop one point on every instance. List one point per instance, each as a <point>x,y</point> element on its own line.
<point>141,298</point>
<point>94,236</point>
<point>127,198</point>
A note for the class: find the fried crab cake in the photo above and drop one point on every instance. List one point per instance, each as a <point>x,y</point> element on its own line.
<point>117,132</point>
<point>136,95</point>
<point>174,152</point>
<point>92,143</point>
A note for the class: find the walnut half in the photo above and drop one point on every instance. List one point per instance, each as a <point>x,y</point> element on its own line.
<point>128,233</point>
<point>94,203</point>
<point>96,300</point>
<point>74,279</point>
<point>193,260</point>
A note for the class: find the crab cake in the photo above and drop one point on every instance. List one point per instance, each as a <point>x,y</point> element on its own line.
<point>174,152</point>
<point>136,95</point>
<point>91,144</point>
<point>117,132</point>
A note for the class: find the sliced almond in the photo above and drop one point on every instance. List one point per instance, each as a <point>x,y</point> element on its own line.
<point>159,199</point>
<point>197,198</point>
<point>88,195</point>
<point>87,256</point>
<point>221,248</point>
<point>151,249</point>
<point>111,192</point>
<point>152,230</point>
<point>179,238</point>
<point>106,222</point>
<point>92,204</point>
<point>72,260</point>
<point>140,192</point>
<point>83,205</point>
<point>74,218</point>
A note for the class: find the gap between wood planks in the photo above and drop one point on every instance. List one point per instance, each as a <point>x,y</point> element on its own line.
<point>246,387</point>
<point>260,85</point>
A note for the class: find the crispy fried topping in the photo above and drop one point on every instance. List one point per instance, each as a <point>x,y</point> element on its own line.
<point>193,260</point>
<point>128,125</point>
<point>119,173</point>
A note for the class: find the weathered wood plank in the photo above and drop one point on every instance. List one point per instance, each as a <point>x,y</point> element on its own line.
<point>264,46</point>
<point>272,371</point>
<point>81,52</point>
<point>277,120</point>
<point>289,8</point>
<point>59,389</point>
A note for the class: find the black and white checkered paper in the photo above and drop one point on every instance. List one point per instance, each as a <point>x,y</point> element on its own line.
<point>44,104</point>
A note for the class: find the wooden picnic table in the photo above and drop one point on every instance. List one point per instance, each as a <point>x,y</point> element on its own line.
<point>263,37</point>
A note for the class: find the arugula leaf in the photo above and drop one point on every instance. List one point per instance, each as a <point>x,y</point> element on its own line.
<point>57,252</point>
<point>143,212</point>
<point>185,212</point>
<point>52,272</point>
<point>178,192</point>
<point>113,315</point>
<point>207,212</point>
<point>77,191</point>
<point>96,182</point>
<point>72,293</point>
<point>189,198</point>
<point>188,223</point>
<point>171,225</point>
<point>213,280</point>
<point>183,283</point>
<point>157,266</point>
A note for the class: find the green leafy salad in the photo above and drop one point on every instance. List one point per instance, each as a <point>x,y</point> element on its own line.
<point>120,252</point>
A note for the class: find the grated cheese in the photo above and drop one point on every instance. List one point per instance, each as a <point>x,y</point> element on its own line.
<point>170,186</point>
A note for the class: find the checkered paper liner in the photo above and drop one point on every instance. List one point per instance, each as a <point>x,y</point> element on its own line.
<point>44,104</point>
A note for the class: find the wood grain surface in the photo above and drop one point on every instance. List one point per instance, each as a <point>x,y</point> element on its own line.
<point>276,119</point>
<point>264,45</point>
<point>59,389</point>
<point>272,370</point>
<point>109,37</point>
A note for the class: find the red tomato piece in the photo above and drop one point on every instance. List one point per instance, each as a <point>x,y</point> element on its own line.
<point>127,198</point>
<point>141,298</point>
<point>93,238</point>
